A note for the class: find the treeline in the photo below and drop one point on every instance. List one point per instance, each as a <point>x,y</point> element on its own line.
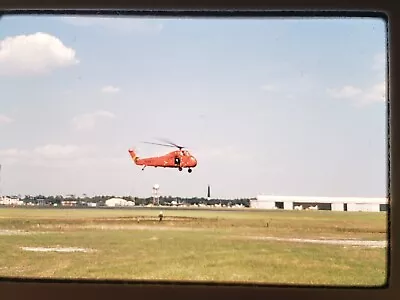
<point>101,199</point>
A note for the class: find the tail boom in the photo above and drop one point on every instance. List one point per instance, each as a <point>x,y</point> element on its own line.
<point>133,155</point>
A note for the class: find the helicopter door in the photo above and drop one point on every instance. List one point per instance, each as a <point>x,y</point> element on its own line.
<point>177,161</point>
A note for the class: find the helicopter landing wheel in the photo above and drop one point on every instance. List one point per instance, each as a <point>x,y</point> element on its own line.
<point>180,168</point>
<point>190,170</point>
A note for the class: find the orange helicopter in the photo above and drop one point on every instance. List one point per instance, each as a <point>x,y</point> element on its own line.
<point>176,159</point>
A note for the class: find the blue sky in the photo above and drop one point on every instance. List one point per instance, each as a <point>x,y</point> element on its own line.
<point>274,106</point>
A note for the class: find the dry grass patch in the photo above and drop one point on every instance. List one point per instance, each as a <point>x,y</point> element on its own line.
<point>193,245</point>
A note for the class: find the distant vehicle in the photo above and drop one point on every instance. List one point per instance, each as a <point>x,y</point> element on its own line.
<point>178,159</point>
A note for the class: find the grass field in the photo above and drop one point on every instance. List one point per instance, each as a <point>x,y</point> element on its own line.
<point>194,245</point>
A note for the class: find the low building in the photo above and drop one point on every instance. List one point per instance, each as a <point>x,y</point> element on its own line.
<point>69,203</point>
<point>321,203</point>
<point>112,202</point>
<point>10,201</point>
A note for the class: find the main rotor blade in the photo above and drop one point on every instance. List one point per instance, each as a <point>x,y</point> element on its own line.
<point>159,144</point>
<point>171,143</point>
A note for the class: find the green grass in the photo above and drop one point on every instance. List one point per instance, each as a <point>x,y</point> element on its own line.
<point>193,245</point>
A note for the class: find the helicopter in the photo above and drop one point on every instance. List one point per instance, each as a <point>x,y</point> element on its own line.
<point>179,159</point>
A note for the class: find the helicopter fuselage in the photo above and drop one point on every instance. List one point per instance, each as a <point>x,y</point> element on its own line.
<point>176,159</point>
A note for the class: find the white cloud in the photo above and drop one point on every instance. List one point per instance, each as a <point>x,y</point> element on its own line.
<point>88,121</point>
<point>12,155</point>
<point>63,156</point>
<point>361,97</point>
<point>12,152</point>
<point>117,24</point>
<point>298,83</point>
<point>226,153</point>
<point>4,119</point>
<point>379,62</point>
<point>347,91</point>
<point>376,93</point>
<point>45,152</point>
<point>57,151</point>
<point>37,53</point>
<point>268,87</point>
<point>110,89</point>
<point>379,66</point>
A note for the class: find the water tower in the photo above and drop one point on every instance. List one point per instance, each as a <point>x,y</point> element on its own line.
<point>156,195</point>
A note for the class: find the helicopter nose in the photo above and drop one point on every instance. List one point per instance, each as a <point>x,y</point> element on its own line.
<point>194,161</point>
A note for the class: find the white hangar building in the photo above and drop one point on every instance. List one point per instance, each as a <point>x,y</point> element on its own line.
<point>325,203</point>
<point>118,202</point>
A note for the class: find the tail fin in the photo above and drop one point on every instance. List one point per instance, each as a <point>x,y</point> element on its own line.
<point>133,155</point>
